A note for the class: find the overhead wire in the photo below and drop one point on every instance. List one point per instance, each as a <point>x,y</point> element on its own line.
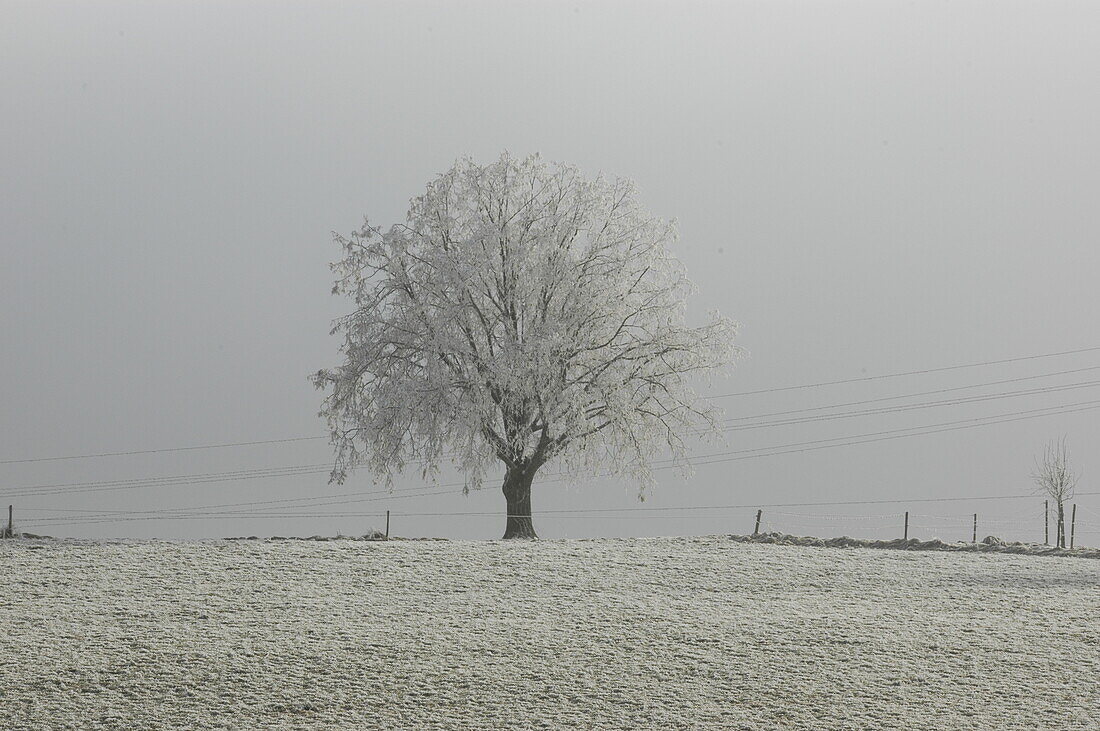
<point>878,412</point>
<point>726,395</point>
<point>737,455</point>
<point>905,373</point>
<point>164,449</point>
<point>164,481</point>
<point>774,450</point>
<point>905,407</point>
<point>912,395</point>
<point>324,467</point>
<point>572,511</point>
<point>856,439</point>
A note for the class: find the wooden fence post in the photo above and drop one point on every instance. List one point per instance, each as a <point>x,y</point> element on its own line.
<point>975,528</point>
<point>387,525</point>
<point>1072,524</point>
<point>906,525</point>
<point>1046,522</point>
<point>10,531</point>
<point>756,530</point>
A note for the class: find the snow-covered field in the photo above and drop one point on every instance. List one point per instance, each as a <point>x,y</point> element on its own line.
<point>646,633</point>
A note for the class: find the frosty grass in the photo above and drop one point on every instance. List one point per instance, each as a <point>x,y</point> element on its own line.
<point>645,633</point>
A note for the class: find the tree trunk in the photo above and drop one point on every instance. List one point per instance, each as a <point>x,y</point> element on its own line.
<point>517,492</point>
<point>1061,526</point>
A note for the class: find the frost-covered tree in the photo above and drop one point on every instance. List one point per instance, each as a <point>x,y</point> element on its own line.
<point>1055,478</point>
<point>522,313</point>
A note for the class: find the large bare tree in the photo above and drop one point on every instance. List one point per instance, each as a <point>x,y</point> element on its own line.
<point>522,313</point>
<point>1056,479</point>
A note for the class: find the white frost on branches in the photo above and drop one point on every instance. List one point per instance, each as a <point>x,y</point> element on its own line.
<point>521,313</point>
<point>1053,475</point>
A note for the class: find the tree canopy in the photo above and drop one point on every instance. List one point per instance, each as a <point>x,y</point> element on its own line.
<point>522,313</point>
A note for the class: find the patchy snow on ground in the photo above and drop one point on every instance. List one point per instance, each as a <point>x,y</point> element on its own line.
<point>989,544</point>
<point>645,633</point>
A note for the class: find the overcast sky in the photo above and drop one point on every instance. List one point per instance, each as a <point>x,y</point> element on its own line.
<point>868,187</point>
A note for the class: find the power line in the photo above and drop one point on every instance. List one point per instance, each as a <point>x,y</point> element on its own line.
<point>192,512</point>
<point>726,395</point>
<point>405,493</point>
<point>735,455</point>
<point>910,395</point>
<point>964,422</point>
<point>746,506</point>
<point>319,468</point>
<point>190,476</point>
<point>156,451</point>
<point>308,502</point>
<point>167,481</point>
<point>906,373</point>
<point>585,511</point>
<point>760,452</point>
<point>912,407</point>
<point>749,506</point>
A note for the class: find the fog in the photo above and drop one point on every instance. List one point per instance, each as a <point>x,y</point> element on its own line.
<point>868,187</point>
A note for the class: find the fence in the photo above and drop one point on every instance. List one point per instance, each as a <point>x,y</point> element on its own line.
<point>908,525</point>
<point>1025,526</point>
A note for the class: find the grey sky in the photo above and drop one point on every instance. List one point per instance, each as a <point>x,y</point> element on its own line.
<point>867,187</point>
